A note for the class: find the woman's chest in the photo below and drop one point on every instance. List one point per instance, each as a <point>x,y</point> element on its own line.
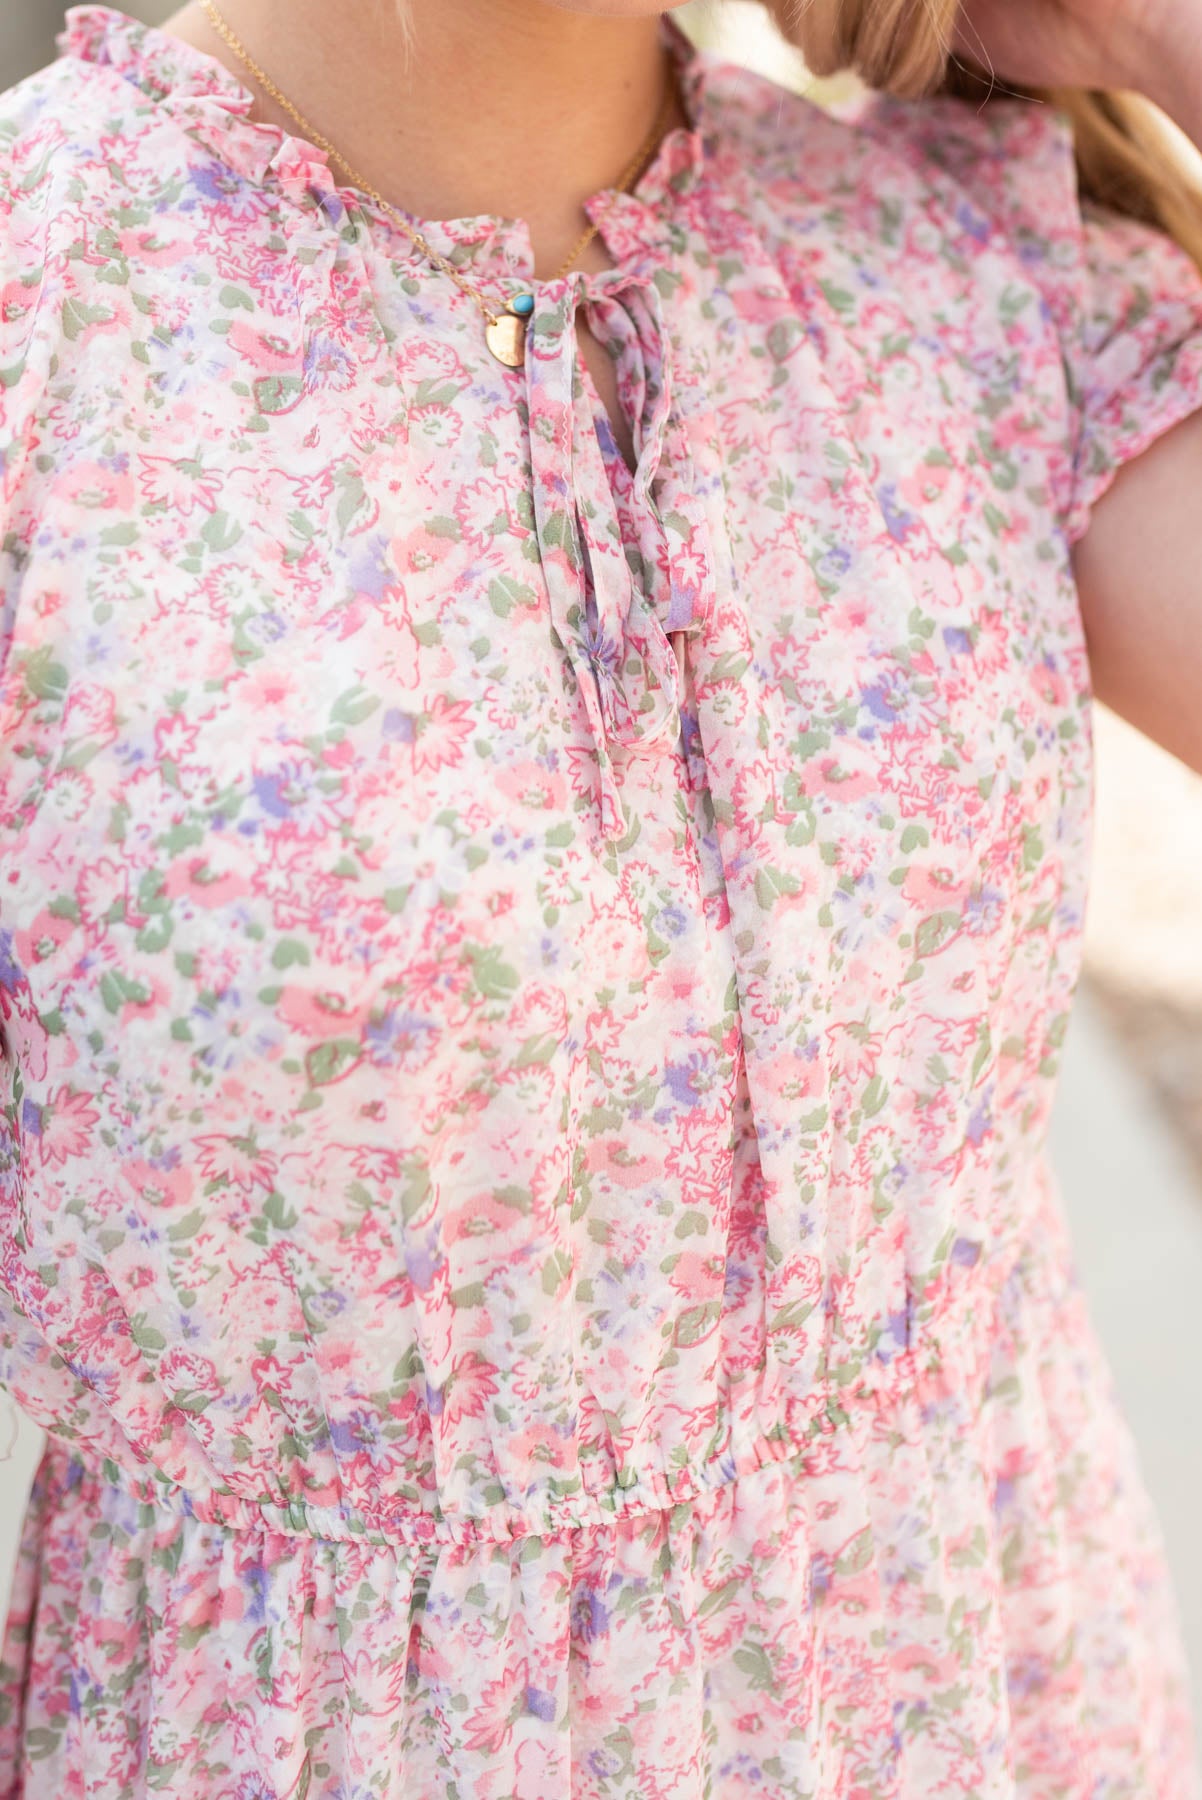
<point>322,644</point>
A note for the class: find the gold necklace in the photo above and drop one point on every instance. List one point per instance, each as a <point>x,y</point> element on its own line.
<point>505,331</point>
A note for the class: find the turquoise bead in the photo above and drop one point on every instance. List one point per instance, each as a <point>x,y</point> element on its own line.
<point>522,305</point>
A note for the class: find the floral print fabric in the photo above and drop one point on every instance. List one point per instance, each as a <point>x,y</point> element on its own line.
<point>533,990</point>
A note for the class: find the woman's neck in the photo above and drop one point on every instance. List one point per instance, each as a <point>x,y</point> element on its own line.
<point>508,107</point>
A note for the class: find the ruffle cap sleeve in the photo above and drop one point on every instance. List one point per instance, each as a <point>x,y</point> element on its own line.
<point>1124,298</point>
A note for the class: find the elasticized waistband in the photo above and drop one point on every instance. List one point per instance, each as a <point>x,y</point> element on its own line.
<point>947,1365</point>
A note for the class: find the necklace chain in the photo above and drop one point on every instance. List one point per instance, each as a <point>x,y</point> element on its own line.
<point>629,175</point>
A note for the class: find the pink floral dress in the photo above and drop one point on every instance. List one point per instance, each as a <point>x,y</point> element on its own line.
<point>532,993</point>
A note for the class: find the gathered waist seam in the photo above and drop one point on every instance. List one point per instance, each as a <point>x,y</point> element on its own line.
<point>949,1358</point>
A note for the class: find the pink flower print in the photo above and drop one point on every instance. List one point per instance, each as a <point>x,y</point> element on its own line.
<point>541,1447</point>
<point>853,1051</point>
<point>157,1187</point>
<point>993,648</point>
<point>206,1609</point>
<point>198,880</point>
<point>485,507</point>
<point>533,1085</point>
<point>174,738</point>
<point>188,1376</point>
<point>442,732</point>
<point>766,306</point>
<point>338,756</point>
<point>957,1038</point>
<point>425,360</point>
<point>393,607</point>
<point>471,1384</point>
<point>269,353</point>
<point>1019,427</point>
<point>377,1682</point>
<point>101,888</point>
<point>47,933</point>
<point>310,492</point>
<point>936,887</point>
<point>419,551</point>
<point>698,1278</point>
<point>791,661</point>
<point>755,790</point>
<point>375,811</point>
<point>320,1014</point>
<point>178,484</point>
<point>689,568</point>
<point>376,1164</point>
<point>66,1127</point>
<point>148,803</point>
<point>558,886</point>
<point>484,1215</point>
<point>90,712</point>
<point>1048,682</point>
<point>266,688</point>
<point>26,1036</point>
<point>873,1762</point>
<point>17,298</point>
<point>927,485</point>
<point>140,245</point>
<point>214,970</point>
<point>70,793</point>
<point>532,784</point>
<point>827,773</point>
<point>542,1766</point>
<point>236,1162</point>
<point>849,613</point>
<point>437,427</point>
<point>800,1277</point>
<point>98,488</point>
<point>540,1011</point>
<point>489,1728</point>
<point>858,854</point>
<point>616,939</point>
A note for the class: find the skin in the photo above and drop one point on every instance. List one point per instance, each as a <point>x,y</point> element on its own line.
<point>572,86</point>
<point>572,92</point>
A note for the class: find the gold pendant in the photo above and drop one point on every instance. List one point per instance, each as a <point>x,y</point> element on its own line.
<point>506,334</point>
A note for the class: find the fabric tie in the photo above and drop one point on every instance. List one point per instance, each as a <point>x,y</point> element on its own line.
<point>613,604</point>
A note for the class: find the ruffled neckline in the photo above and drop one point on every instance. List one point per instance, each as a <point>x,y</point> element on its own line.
<point>218,106</point>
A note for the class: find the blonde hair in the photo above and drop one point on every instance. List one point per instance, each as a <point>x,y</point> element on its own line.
<point>1125,156</point>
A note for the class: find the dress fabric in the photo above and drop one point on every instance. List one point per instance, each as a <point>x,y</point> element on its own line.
<point>532,992</point>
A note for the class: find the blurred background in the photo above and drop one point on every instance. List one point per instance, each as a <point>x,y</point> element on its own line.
<point>1127,1136</point>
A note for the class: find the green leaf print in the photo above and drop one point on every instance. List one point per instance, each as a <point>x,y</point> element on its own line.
<point>504,593</point>
<point>495,979</point>
<point>277,393</point>
<point>77,317</point>
<point>770,884</point>
<point>353,706</point>
<point>695,1324</point>
<point>756,1664</point>
<point>45,678</point>
<point>325,1063</point>
<point>117,990</point>
<point>874,1096</point>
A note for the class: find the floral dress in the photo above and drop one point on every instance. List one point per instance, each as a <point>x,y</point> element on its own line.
<point>532,990</point>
